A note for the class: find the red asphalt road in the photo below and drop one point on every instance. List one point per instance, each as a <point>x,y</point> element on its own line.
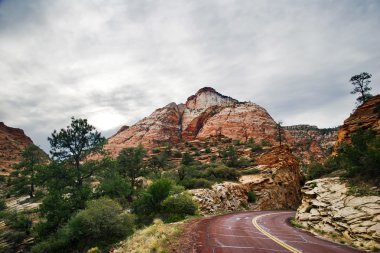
<point>235,233</point>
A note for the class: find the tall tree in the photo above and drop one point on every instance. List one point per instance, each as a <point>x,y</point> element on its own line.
<point>24,176</point>
<point>361,85</point>
<point>280,132</point>
<point>131,163</point>
<point>74,144</point>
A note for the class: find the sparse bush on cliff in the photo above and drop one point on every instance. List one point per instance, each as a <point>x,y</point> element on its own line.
<point>251,197</point>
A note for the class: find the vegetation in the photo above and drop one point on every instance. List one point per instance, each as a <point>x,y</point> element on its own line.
<point>251,197</point>
<point>359,159</point>
<point>101,223</point>
<point>361,85</point>
<point>23,178</point>
<point>158,237</point>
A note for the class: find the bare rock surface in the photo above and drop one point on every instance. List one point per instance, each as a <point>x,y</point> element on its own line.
<point>327,206</point>
<point>12,142</point>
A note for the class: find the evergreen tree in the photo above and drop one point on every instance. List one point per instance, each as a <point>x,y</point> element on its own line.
<point>23,178</point>
<point>361,85</point>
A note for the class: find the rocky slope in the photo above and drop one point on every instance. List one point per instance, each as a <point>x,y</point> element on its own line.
<point>328,208</point>
<point>309,142</point>
<point>12,143</point>
<point>279,179</point>
<point>211,114</point>
<point>365,116</point>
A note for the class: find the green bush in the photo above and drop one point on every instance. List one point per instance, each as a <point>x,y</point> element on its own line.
<point>18,221</point>
<point>316,170</point>
<point>100,224</point>
<point>115,187</point>
<point>177,154</point>
<point>221,172</point>
<point>177,207</point>
<point>3,206</point>
<point>156,151</point>
<point>251,197</point>
<point>207,150</point>
<point>249,171</point>
<point>196,183</point>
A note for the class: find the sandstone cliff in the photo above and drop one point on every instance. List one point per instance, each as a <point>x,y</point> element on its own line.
<point>327,207</point>
<point>211,114</point>
<point>205,114</point>
<point>365,116</point>
<point>279,179</point>
<point>309,142</point>
<point>12,142</point>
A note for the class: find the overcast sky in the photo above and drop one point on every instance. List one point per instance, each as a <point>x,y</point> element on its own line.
<point>116,61</point>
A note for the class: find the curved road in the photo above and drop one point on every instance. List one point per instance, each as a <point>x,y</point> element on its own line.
<point>260,232</point>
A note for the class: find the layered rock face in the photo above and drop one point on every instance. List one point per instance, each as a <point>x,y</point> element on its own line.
<point>205,114</point>
<point>365,116</point>
<point>12,142</point>
<point>163,125</point>
<point>309,142</point>
<point>279,179</point>
<point>211,114</point>
<point>326,206</point>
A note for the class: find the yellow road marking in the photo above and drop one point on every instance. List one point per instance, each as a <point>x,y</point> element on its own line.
<point>275,239</point>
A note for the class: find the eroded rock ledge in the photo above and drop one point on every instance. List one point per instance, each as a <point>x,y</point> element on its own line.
<point>277,186</point>
<point>326,206</point>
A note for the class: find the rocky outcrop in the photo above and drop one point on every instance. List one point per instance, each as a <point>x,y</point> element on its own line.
<point>12,142</point>
<point>309,143</point>
<point>211,114</point>
<point>327,206</point>
<point>160,127</point>
<point>365,116</point>
<point>278,179</point>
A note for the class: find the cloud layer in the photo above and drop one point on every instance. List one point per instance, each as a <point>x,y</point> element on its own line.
<point>115,61</point>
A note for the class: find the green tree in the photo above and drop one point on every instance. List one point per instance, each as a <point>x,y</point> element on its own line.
<point>74,144</point>
<point>101,223</point>
<point>131,164</point>
<point>158,162</point>
<point>280,132</point>
<point>230,157</point>
<point>187,159</point>
<point>361,85</point>
<point>24,176</point>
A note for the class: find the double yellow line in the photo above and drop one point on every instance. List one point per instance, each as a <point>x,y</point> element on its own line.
<point>275,239</point>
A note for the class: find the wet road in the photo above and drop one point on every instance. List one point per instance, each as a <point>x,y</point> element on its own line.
<point>260,232</point>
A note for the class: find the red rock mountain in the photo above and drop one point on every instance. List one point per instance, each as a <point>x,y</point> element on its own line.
<point>12,143</point>
<point>205,114</point>
<point>365,116</point>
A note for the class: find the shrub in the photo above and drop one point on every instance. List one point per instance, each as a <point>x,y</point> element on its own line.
<point>177,207</point>
<point>3,206</point>
<point>207,150</point>
<point>249,171</point>
<point>316,170</point>
<point>251,197</point>
<point>18,221</point>
<point>156,150</point>
<point>196,183</point>
<point>116,187</point>
<point>100,224</point>
<point>187,159</point>
<point>265,143</point>
<point>177,154</point>
<point>222,172</point>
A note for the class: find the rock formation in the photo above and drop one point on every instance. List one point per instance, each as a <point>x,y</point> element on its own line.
<point>12,142</point>
<point>365,116</point>
<point>211,114</point>
<point>309,142</point>
<point>205,114</point>
<point>279,179</point>
<point>327,206</point>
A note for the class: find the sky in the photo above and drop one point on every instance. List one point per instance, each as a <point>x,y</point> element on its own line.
<point>116,61</point>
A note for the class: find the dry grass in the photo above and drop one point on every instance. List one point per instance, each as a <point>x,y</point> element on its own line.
<point>157,238</point>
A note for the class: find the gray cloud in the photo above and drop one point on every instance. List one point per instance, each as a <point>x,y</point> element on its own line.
<point>115,61</point>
